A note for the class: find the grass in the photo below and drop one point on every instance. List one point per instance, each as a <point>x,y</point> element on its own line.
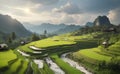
<point>45,43</point>
<point>44,70</point>
<point>14,67</point>
<point>35,68</point>
<point>5,57</point>
<point>65,66</point>
<point>65,39</point>
<point>58,45</point>
<point>92,53</point>
<point>24,67</point>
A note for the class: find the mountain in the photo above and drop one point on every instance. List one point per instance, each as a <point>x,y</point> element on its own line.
<point>67,29</point>
<point>101,21</point>
<point>89,24</point>
<point>51,28</point>
<point>8,25</point>
<point>44,26</point>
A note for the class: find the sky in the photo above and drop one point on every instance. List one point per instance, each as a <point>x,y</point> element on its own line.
<point>60,11</point>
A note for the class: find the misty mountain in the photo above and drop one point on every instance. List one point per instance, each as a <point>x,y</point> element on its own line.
<point>67,29</point>
<point>8,25</point>
<point>89,24</point>
<point>51,28</point>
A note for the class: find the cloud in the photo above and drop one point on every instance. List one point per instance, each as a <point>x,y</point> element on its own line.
<point>97,6</point>
<point>45,2</point>
<point>114,16</point>
<point>67,19</point>
<point>68,8</point>
<point>61,11</point>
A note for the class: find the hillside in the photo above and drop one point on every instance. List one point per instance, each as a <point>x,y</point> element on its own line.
<point>8,25</point>
<point>67,29</point>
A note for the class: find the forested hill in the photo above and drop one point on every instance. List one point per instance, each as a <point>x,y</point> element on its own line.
<point>8,25</point>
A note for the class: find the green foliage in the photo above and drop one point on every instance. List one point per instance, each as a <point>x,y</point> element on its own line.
<point>9,40</point>
<point>5,57</point>
<point>34,37</point>
<point>13,36</point>
<point>14,67</point>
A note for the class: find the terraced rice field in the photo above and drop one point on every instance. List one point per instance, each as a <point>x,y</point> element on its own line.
<point>5,57</point>
<point>27,58</point>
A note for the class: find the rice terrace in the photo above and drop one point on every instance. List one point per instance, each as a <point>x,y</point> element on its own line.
<point>59,37</point>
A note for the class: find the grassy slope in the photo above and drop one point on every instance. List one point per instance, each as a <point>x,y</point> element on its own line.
<point>91,57</point>
<point>24,67</point>
<point>56,42</point>
<point>44,43</point>
<point>93,54</point>
<point>100,54</point>
<point>5,57</point>
<point>13,68</point>
<point>45,70</point>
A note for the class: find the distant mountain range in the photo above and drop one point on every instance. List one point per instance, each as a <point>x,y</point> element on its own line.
<point>63,28</point>
<point>67,29</point>
<point>52,28</point>
<point>89,24</point>
<point>9,25</point>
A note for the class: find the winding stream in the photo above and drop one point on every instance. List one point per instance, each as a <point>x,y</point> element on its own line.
<point>74,64</point>
<point>54,66</point>
<point>39,63</point>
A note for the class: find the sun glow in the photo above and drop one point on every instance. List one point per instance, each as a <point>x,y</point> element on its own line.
<point>27,10</point>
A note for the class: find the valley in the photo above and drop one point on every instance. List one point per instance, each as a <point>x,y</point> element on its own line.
<point>90,49</point>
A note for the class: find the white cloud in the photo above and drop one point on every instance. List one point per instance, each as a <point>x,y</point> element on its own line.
<point>45,2</point>
<point>47,11</point>
<point>114,16</point>
<point>68,8</point>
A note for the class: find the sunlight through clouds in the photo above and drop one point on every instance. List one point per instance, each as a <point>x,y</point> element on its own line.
<point>58,11</point>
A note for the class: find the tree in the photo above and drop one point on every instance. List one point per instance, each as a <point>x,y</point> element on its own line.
<point>45,32</point>
<point>13,36</point>
<point>9,40</point>
<point>35,37</point>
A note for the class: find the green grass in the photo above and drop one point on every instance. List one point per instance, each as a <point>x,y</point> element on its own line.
<point>92,53</point>
<point>5,57</point>
<point>46,69</point>
<point>65,66</point>
<point>45,43</point>
<point>50,42</point>
<point>25,48</point>
<point>24,67</point>
<point>35,68</point>
<point>14,67</point>
<point>57,45</point>
<point>65,39</point>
